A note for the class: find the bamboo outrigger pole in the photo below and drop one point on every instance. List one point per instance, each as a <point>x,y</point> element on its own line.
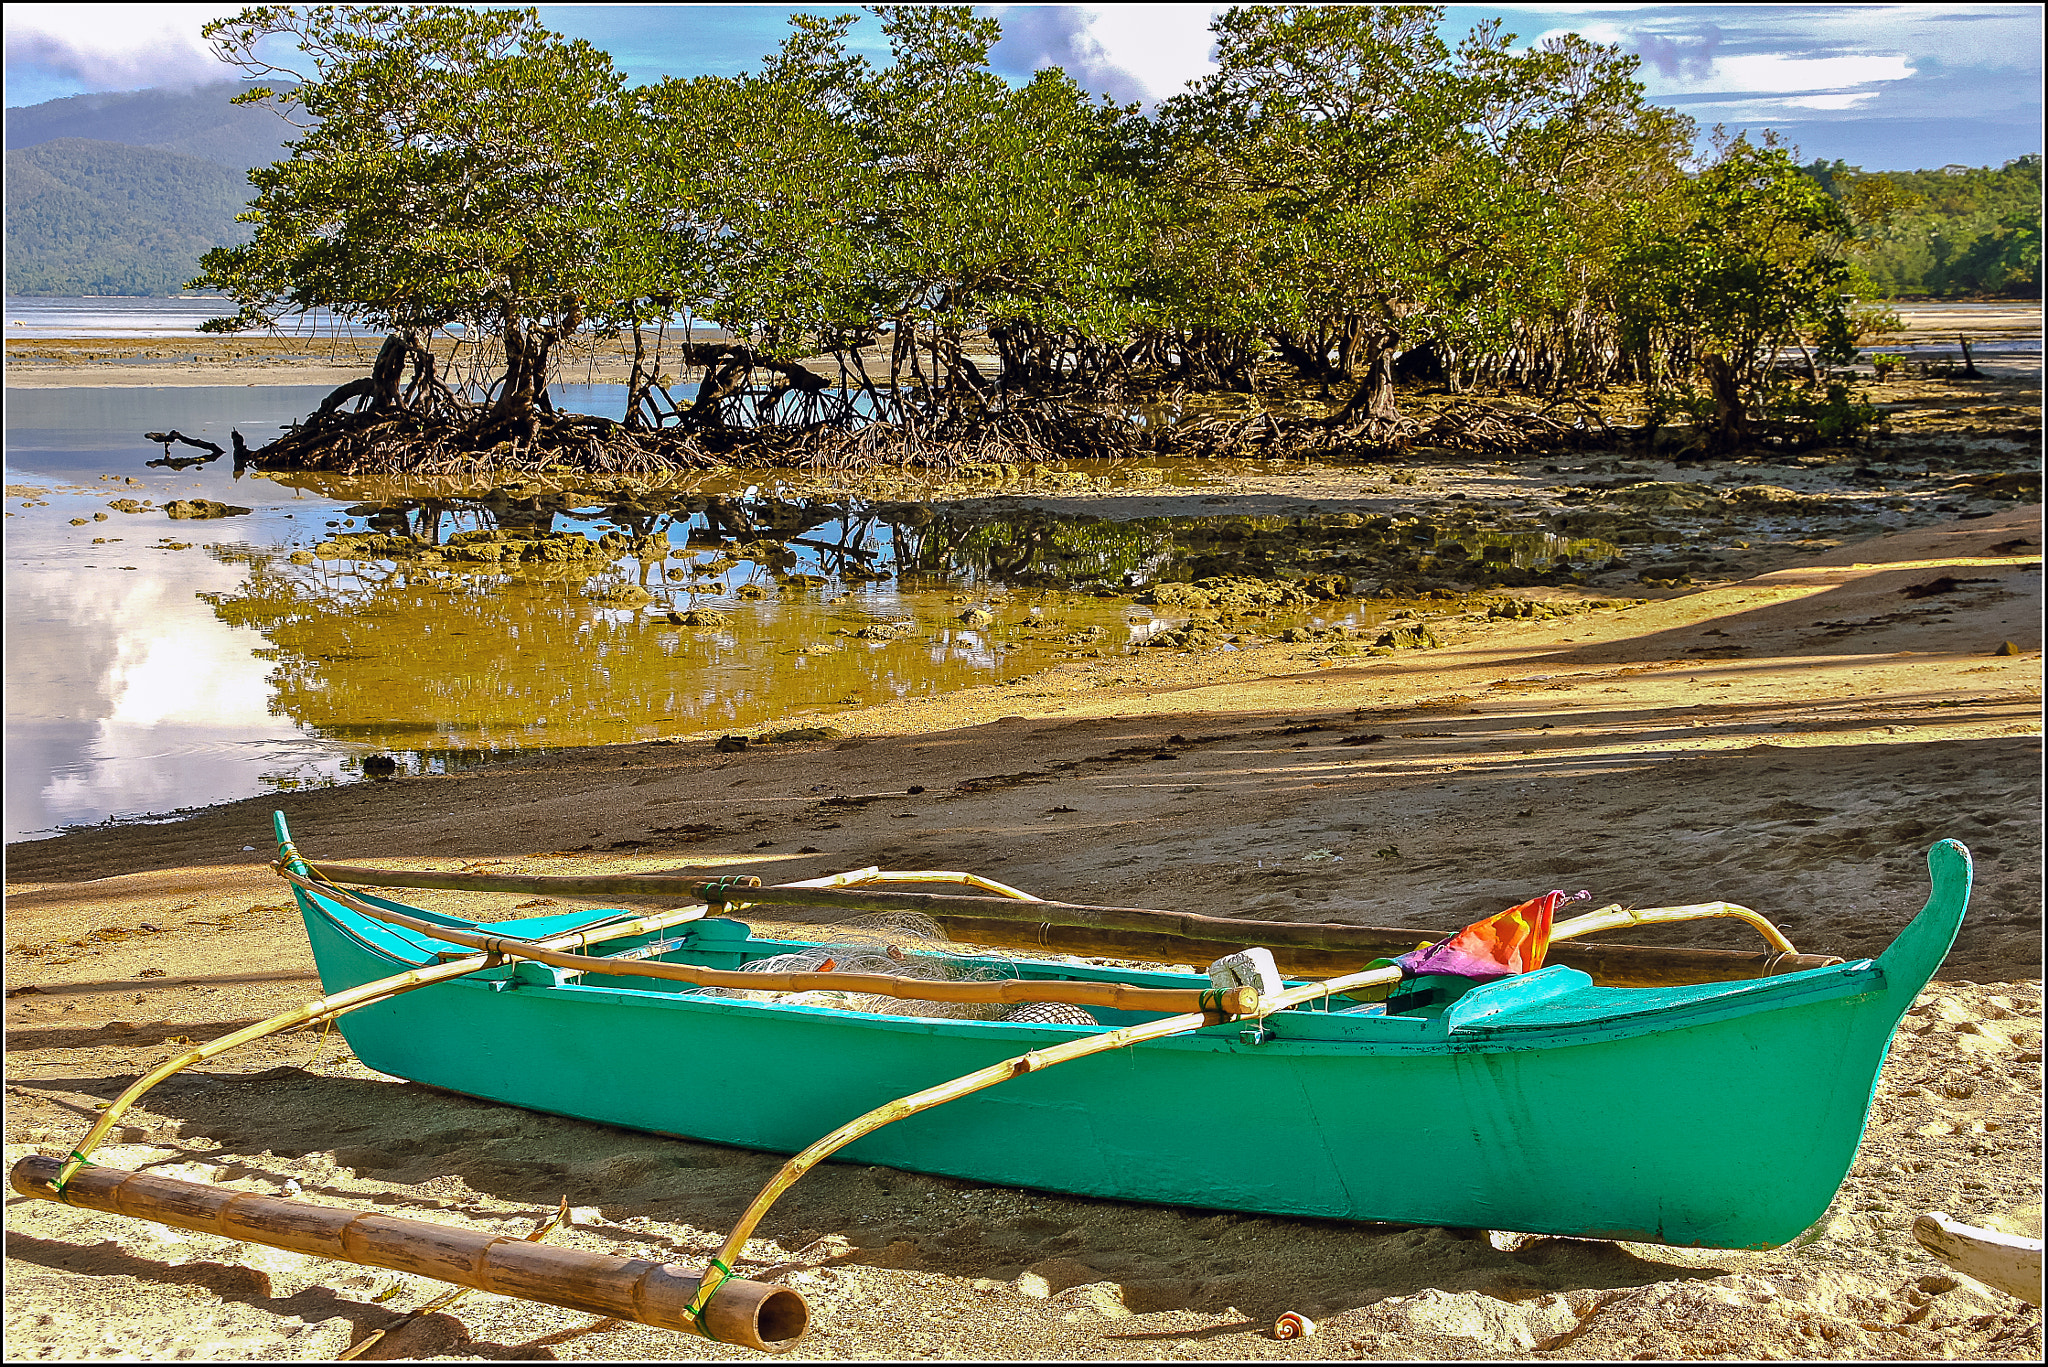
<point>1039,1059</point>
<point>755,1314</point>
<point>1018,920</point>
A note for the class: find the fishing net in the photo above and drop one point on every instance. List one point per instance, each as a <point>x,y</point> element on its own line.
<point>900,944</point>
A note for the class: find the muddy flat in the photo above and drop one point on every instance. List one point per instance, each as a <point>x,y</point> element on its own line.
<point>1792,738</point>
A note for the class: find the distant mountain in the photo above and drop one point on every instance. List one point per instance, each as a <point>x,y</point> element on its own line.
<point>193,123</point>
<point>87,217</point>
<point>123,193</point>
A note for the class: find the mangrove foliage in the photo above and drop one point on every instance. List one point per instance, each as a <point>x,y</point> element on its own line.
<point>838,263</point>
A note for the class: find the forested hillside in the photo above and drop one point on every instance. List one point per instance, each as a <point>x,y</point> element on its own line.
<point>1956,231</point>
<point>121,193</point>
<point>87,217</point>
<point>194,123</point>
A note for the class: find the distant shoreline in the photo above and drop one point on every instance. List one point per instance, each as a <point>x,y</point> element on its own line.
<point>209,359</point>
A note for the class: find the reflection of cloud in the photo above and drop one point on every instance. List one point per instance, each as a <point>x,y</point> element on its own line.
<point>126,694</point>
<point>1128,52</point>
<point>116,47</point>
<point>195,678</point>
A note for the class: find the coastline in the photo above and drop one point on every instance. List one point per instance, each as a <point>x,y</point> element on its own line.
<point>1790,735</point>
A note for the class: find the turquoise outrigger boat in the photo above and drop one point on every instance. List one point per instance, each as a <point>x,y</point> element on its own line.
<point>1720,1115</point>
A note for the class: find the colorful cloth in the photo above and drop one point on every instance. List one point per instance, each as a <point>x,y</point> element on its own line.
<point>1514,941</point>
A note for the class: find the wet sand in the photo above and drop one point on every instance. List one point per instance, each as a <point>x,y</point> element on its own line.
<point>1792,740</point>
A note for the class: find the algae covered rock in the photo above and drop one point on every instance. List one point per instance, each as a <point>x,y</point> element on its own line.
<point>1201,633</point>
<point>1771,498</point>
<point>1236,593</point>
<point>885,631</point>
<point>1408,636</point>
<point>186,508</point>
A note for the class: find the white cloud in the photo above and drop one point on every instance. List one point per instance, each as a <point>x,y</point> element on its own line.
<point>1840,100</point>
<point>116,47</point>
<point>1164,46</point>
<point>1777,74</point>
<point>1129,52</point>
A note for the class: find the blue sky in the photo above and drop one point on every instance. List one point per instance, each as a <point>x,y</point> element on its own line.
<point>1885,87</point>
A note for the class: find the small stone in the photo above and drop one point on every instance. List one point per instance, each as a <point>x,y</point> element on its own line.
<point>726,745</point>
<point>2009,648</point>
<point>978,617</point>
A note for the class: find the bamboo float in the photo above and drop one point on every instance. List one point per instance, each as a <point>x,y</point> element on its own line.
<point>1004,991</point>
<point>755,1314</point>
<point>1120,932</point>
<point>1036,1060</point>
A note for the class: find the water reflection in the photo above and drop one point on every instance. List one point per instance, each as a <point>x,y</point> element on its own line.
<point>448,628</point>
<point>155,665</point>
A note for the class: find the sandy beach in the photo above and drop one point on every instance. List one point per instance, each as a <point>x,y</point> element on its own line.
<point>1791,737</point>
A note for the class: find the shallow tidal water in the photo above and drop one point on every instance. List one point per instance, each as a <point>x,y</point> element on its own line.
<point>155,664</point>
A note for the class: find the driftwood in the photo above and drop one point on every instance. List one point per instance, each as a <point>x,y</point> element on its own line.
<point>171,462</point>
<point>2010,1262</point>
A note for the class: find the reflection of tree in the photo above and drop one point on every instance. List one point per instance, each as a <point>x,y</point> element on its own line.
<point>1027,550</point>
<point>414,657</point>
<point>419,659</point>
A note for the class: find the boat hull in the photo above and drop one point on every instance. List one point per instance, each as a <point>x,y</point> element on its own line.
<point>1724,1115</point>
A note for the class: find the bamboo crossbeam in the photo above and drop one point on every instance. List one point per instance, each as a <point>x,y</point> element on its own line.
<point>1002,991</point>
<point>904,1107</point>
<point>756,1314</point>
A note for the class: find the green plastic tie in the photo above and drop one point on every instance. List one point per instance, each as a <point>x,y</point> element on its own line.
<point>702,1301</point>
<point>64,1178</point>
